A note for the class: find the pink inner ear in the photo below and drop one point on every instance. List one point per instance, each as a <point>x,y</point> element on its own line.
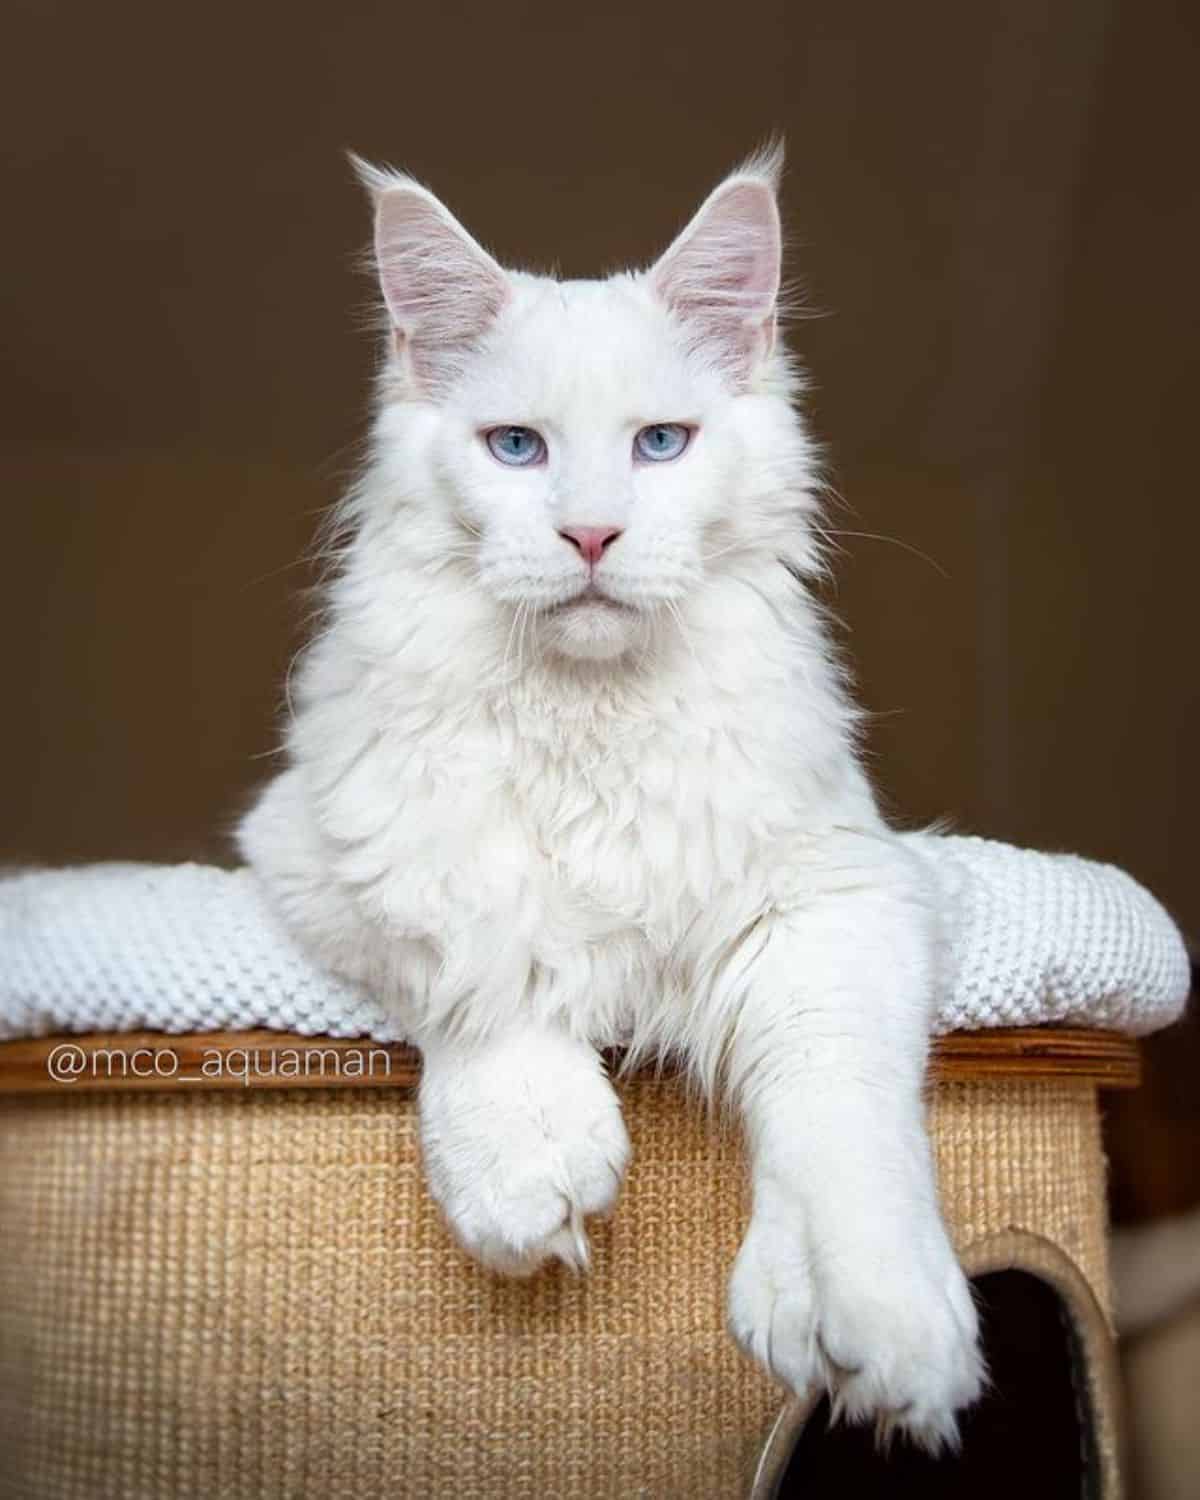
<point>721,276</point>
<point>442,289</point>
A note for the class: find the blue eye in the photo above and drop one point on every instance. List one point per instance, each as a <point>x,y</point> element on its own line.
<point>516,446</point>
<point>662,441</point>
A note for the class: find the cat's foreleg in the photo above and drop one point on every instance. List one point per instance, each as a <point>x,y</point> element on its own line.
<point>522,1138</point>
<point>846,1277</point>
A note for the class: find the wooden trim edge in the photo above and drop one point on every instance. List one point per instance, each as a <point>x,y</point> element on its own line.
<point>156,1061</point>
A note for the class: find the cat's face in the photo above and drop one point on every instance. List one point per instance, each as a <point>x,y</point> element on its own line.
<point>585,443</point>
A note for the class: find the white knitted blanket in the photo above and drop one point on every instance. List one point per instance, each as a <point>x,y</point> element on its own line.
<point>1037,939</point>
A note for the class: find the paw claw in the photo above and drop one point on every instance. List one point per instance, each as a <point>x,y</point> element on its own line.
<point>517,1163</point>
<point>903,1355</point>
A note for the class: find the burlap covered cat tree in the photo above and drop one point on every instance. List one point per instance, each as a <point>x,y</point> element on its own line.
<point>210,1288</point>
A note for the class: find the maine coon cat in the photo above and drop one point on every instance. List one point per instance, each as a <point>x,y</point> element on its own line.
<point>571,764</point>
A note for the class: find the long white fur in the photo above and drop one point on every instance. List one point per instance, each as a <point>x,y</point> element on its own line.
<point>541,824</point>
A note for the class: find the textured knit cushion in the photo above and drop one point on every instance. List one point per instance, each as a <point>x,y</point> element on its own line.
<point>1037,938</point>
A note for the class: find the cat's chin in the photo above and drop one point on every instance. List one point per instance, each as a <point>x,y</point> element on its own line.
<point>592,629</point>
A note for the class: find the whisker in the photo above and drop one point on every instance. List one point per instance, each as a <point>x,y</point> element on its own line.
<point>677,615</point>
<point>708,557</point>
<point>287,682</point>
<point>508,643</point>
<point>876,536</point>
<point>523,615</point>
<point>647,640</point>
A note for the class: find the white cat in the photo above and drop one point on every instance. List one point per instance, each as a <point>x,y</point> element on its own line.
<point>571,764</point>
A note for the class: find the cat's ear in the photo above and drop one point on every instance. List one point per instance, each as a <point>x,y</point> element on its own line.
<point>720,277</point>
<point>442,289</point>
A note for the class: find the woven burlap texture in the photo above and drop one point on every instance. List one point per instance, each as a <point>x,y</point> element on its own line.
<point>250,1297</point>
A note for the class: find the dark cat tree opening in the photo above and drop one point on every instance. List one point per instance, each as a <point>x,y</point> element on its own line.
<point>1031,1436</point>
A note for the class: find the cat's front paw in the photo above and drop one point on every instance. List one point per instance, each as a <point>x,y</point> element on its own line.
<point>521,1143</point>
<point>897,1346</point>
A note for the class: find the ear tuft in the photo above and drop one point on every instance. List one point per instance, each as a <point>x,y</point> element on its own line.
<point>720,277</point>
<point>442,289</point>
<point>766,163</point>
<point>372,179</point>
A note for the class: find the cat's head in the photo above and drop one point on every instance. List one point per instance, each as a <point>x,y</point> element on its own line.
<point>589,452</point>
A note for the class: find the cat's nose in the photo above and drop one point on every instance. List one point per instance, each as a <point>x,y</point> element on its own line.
<point>590,540</point>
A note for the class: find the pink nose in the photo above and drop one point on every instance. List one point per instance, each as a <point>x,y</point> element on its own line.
<point>590,540</point>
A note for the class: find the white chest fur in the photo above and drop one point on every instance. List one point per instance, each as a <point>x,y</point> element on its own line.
<point>569,842</point>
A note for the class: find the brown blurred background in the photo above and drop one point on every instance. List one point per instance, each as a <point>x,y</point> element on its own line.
<point>995,208</point>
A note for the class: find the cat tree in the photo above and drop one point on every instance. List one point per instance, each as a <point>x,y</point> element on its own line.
<point>233,1283</point>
